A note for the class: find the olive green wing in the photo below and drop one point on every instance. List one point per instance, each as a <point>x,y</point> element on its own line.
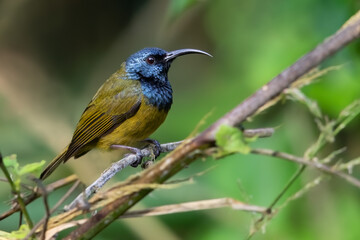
<point>99,119</point>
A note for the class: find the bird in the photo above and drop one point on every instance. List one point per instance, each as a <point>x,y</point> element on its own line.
<point>130,105</point>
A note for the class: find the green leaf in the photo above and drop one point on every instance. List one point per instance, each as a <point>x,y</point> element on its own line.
<point>230,140</point>
<point>11,163</point>
<point>32,168</point>
<point>20,233</point>
<point>12,166</point>
<point>18,173</point>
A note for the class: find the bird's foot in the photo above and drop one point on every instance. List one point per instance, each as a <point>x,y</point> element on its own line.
<point>156,150</point>
<point>156,147</point>
<point>136,151</point>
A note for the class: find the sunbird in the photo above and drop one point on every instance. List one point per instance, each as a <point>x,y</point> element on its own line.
<point>131,104</point>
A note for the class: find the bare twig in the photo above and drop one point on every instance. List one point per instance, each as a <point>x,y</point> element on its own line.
<point>260,223</point>
<point>44,194</point>
<point>45,220</point>
<point>259,132</point>
<point>287,186</point>
<point>49,188</point>
<point>314,164</point>
<point>196,206</point>
<point>67,194</point>
<point>146,152</point>
<point>175,208</point>
<point>181,156</point>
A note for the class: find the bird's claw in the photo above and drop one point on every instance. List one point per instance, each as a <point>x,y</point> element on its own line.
<point>139,157</point>
<point>156,147</point>
<point>136,151</point>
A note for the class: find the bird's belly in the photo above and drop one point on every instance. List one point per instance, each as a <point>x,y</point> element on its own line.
<point>135,129</point>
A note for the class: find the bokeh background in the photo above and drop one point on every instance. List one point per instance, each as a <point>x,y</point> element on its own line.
<point>55,54</point>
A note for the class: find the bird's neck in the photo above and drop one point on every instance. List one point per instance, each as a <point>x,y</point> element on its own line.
<point>157,93</point>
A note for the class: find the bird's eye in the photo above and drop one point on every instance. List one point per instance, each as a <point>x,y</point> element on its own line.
<point>150,60</point>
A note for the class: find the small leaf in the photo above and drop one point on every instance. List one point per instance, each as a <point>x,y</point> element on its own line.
<point>32,168</point>
<point>230,140</point>
<point>20,233</point>
<point>11,163</point>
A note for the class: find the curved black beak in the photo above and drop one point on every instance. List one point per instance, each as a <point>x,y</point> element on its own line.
<point>176,53</point>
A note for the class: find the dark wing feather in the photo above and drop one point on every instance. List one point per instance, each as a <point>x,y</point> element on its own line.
<point>117,100</point>
<point>95,123</point>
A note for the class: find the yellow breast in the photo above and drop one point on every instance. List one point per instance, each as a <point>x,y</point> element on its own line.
<point>135,129</point>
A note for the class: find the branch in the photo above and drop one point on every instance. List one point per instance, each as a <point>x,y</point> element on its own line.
<point>44,194</point>
<point>317,165</point>
<point>273,88</point>
<point>175,208</point>
<point>182,156</point>
<point>196,206</point>
<point>146,152</point>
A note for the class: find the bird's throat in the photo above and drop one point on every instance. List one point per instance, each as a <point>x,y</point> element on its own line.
<point>157,93</point>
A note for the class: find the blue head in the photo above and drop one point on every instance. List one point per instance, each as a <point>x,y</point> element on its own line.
<point>148,63</point>
<point>154,63</point>
<point>150,66</point>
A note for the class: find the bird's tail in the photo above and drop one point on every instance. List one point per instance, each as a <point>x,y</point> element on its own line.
<point>54,164</point>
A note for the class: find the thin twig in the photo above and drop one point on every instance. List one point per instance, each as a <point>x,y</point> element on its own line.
<point>287,186</point>
<point>146,152</point>
<point>260,223</point>
<point>33,196</point>
<point>314,164</point>
<point>278,197</point>
<point>42,221</point>
<point>175,208</point>
<point>44,194</point>
<point>195,206</point>
<point>57,205</point>
<point>259,132</point>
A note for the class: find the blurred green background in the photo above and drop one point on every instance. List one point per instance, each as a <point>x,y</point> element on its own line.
<point>55,54</point>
